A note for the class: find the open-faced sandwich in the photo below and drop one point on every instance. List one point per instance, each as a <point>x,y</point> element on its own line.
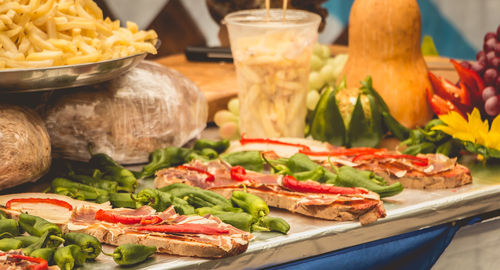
<point>424,171</point>
<point>170,232</point>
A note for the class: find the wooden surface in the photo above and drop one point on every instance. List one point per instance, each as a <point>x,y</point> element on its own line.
<point>218,80</point>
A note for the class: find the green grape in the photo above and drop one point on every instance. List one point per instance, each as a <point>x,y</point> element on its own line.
<point>234,106</point>
<point>315,81</point>
<point>224,116</point>
<point>312,99</point>
<point>327,74</point>
<point>318,49</point>
<point>325,52</point>
<point>316,63</point>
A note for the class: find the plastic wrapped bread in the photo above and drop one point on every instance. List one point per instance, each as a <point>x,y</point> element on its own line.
<point>24,146</point>
<point>148,108</point>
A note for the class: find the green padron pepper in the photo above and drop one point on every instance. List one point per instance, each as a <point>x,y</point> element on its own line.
<point>69,256</point>
<point>38,226</point>
<point>197,197</point>
<point>44,253</point>
<point>7,244</point>
<point>27,240</point>
<point>90,245</point>
<point>108,166</point>
<point>123,200</point>
<point>274,224</point>
<point>8,228</point>
<point>351,177</point>
<point>129,254</point>
<point>242,221</point>
<point>250,203</point>
<point>250,160</point>
<point>164,158</point>
<point>218,146</point>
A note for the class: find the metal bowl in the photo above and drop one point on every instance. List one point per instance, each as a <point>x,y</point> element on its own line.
<point>58,77</point>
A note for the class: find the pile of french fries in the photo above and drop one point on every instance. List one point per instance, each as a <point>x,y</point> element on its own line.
<point>45,33</point>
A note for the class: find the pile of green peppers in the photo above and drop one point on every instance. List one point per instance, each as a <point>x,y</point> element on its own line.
<point>325,122</point>
<point>45,239</point>
<point>174,156</point>
<point>250,213</point>
<point>95,180</point>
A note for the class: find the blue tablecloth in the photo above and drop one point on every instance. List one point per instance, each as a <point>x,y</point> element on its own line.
<point>414,250</point>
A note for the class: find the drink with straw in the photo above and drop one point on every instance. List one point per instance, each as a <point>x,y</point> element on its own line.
<point>272,53</point>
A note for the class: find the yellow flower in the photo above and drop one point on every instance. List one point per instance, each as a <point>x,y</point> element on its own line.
<point>474,129</point>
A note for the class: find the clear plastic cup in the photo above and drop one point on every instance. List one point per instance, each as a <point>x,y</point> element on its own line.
<point>272,63</point>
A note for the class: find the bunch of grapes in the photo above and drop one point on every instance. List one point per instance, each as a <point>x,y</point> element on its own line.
<point>488,67</point>
<point>324,71</point>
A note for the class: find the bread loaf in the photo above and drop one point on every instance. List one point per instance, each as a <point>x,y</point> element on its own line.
<point>149,107</point>
<point>24,146</point>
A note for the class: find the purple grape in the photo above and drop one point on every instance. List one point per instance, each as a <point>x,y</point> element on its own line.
<point>497,49</point>
<point>498,83</point>
<point>479,55</point>
<point>489,45</point>
<point>482,60</point>
<point>489,35</point>
<point>495,62</point>
<point>492,106</point>
<point>488,92</point>
<point>466,64</point>
<point>478,67</point>
<point>490,76</point>
<point>489,58</point>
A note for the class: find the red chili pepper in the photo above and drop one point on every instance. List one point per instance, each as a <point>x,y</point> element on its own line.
<point>415,160</point>
<point>103,215</point>
<point>449,91</point>
<point>41,263</point>
<point>314,187</point>
<point>244,140</point>
<point>441,106</point>
<point>344,152</point>
<point>40,200</point>
<point>239,173</point>
<point>472,82</point>
<point>210,177</point>
<point>184,228</point>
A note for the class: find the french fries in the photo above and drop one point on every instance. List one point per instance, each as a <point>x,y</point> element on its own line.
<point>44,33</point>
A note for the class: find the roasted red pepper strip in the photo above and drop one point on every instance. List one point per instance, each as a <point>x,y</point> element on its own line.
<point>344,152</point>
<point>415,160</point>
<point>210,177</point>
<point>314,187</point>
<point>40,200</point>
<point>103,215</point>
<point>244,140</point>
<point>441,106</point>
<point>41,263</point>
<point>184,228</point>
<point>472,82</point>
<point>239,173</point>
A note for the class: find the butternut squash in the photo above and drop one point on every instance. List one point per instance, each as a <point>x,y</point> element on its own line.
<point>384,42</point>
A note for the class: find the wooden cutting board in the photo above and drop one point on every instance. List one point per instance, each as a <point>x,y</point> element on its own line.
<point>218,80</point>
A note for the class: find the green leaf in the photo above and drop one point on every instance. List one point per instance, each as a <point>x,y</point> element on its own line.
<point>359,132</point>
<point>327,124</point>
<point>376,119</point>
